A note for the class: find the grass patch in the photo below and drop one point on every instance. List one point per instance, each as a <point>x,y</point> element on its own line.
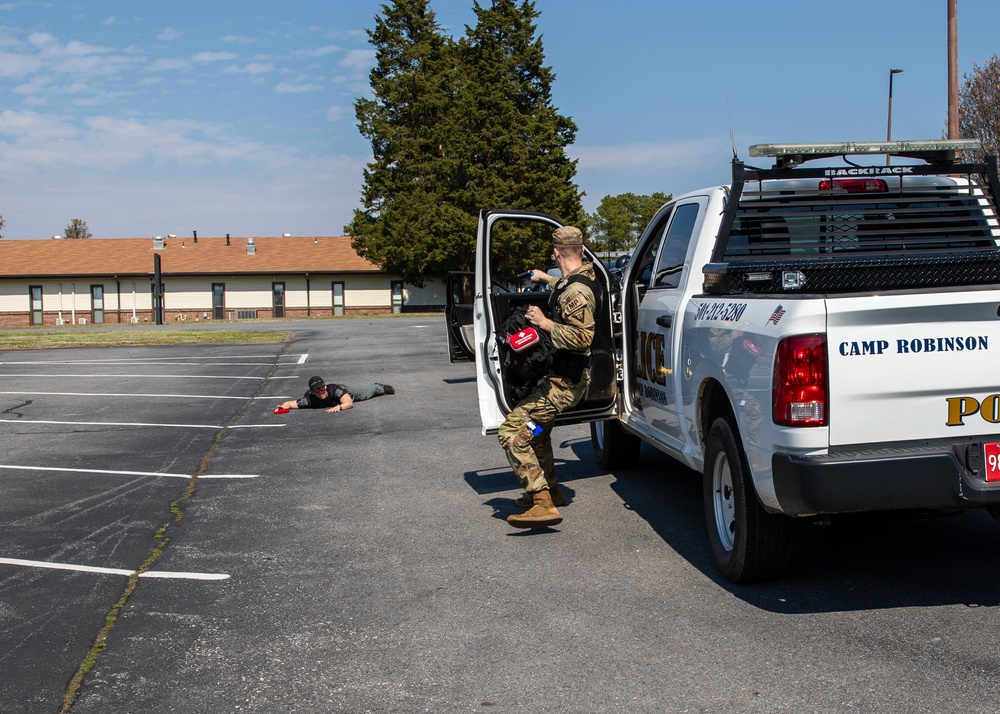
<point>30,340</point>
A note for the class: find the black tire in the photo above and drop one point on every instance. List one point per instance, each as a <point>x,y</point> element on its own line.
<point>749,544</point>
<point>614,448</point>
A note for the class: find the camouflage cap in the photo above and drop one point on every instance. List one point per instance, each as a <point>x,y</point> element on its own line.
<point>567,235</point>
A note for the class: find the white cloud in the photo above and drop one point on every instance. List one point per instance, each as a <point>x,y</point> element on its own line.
<point>166,65</point>
<point>239,39</point>
<point>169,34</point>
<point>359,60</point>
<point>43,143</point>
<point>15,66</point>
<point>648,167</point>
<point>289,88</point>
<point>31,127</point>
<point>358,64</point>
<point>213,56</point>
<point>648,157</point>
<point>251,68</point>
<point>335,113</point>
<point>319,51</point>
<point>148,177</point>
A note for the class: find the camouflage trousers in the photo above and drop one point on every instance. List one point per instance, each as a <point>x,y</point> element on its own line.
<point>531,456</point>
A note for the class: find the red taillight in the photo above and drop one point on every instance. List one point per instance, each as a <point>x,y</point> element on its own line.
<point>800,382</point>
<point>854,185</point>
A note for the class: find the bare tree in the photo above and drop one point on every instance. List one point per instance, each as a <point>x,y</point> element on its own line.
<point>77,228</point>
<point>979,106</point>
<point>1,226</point>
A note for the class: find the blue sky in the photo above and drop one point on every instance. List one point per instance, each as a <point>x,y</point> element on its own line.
<point>237,117</point>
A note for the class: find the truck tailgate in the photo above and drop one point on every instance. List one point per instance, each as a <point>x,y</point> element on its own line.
<point>914,367</point>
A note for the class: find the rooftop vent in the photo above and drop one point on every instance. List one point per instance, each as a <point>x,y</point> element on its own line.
<point>251,246</point>
<point>158,243</point>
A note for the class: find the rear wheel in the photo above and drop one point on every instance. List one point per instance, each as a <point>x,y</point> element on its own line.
<point>614,448</point>
<point>749,544</point>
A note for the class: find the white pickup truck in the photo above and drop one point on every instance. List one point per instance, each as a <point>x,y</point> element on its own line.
<point>814,339</point>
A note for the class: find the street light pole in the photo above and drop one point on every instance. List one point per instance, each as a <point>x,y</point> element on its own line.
<point>888,130</point>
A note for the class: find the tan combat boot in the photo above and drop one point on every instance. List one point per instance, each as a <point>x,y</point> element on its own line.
<point>526,501</point>
<point>542,513</point>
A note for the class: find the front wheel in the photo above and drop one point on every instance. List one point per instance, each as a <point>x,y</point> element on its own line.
<point>749,544</point>
<point>614,448</point>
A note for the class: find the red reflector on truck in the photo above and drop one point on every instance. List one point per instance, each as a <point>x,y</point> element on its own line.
<point>800,382</point>
<point>854,185</point>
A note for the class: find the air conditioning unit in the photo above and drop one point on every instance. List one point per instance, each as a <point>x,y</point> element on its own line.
<point>82,321</point>
<point>60,321</point>
<point>246,314</point>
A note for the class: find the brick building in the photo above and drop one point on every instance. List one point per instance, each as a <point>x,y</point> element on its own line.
<point>112,280</point>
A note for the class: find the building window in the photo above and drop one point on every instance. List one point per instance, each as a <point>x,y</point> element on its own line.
<point>397,295</point>
<point>35,296</point>
<point>97,304</point>
<point>278,299</point>
<point>338,298</point>
<point>218,301</point>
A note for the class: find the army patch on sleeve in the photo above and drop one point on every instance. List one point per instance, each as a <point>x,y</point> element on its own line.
<point>574,307</point>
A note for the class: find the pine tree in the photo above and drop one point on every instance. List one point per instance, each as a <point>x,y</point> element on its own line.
<point>406,211</point>
<point>516,138</point>
<point>455,128</point>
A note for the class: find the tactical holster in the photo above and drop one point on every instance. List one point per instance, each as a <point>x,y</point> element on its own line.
<point>569,364</point>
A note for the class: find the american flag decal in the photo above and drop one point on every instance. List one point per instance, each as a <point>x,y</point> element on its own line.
<point>776,315</point>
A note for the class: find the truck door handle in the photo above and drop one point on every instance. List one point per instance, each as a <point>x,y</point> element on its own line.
<point>665,320</point>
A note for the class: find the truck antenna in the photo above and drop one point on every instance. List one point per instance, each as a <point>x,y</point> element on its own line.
<point>732,136</point>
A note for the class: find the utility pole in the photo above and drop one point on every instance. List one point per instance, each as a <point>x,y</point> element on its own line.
<point>953,69</point>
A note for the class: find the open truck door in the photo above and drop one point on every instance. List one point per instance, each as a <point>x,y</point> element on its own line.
<point>458,316</point>
<point>506,241</point>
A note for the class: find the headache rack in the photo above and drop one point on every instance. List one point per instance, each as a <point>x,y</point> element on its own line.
<point>850,228</point>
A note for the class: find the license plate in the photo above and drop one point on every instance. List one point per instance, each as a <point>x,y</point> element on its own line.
<point>992,461</point>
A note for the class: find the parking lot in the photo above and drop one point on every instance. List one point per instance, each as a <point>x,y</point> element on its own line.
<point>359,562</point>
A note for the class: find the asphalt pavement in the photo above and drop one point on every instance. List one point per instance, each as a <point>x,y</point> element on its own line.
<point>360,561</point>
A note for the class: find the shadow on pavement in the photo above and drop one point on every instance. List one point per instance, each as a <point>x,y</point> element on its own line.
<point>859,562</point>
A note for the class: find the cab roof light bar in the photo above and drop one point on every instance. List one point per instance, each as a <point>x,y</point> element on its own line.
<point>789,155</point>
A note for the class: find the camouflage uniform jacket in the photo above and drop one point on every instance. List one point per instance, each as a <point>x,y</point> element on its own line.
<point>573,313</point>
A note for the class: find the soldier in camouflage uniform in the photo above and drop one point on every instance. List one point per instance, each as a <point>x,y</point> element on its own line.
<point>573,304</point>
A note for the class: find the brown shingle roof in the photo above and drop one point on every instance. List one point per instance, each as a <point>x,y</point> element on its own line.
<point>134,256</point>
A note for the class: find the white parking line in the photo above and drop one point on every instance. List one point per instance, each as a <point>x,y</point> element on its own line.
<point>112,571</point>
<point>123,473</point>
<point>282,359</point>
<point>63,375</point>
<point>158,362</point>
<point>135,394</point>
<point>133,423</point>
